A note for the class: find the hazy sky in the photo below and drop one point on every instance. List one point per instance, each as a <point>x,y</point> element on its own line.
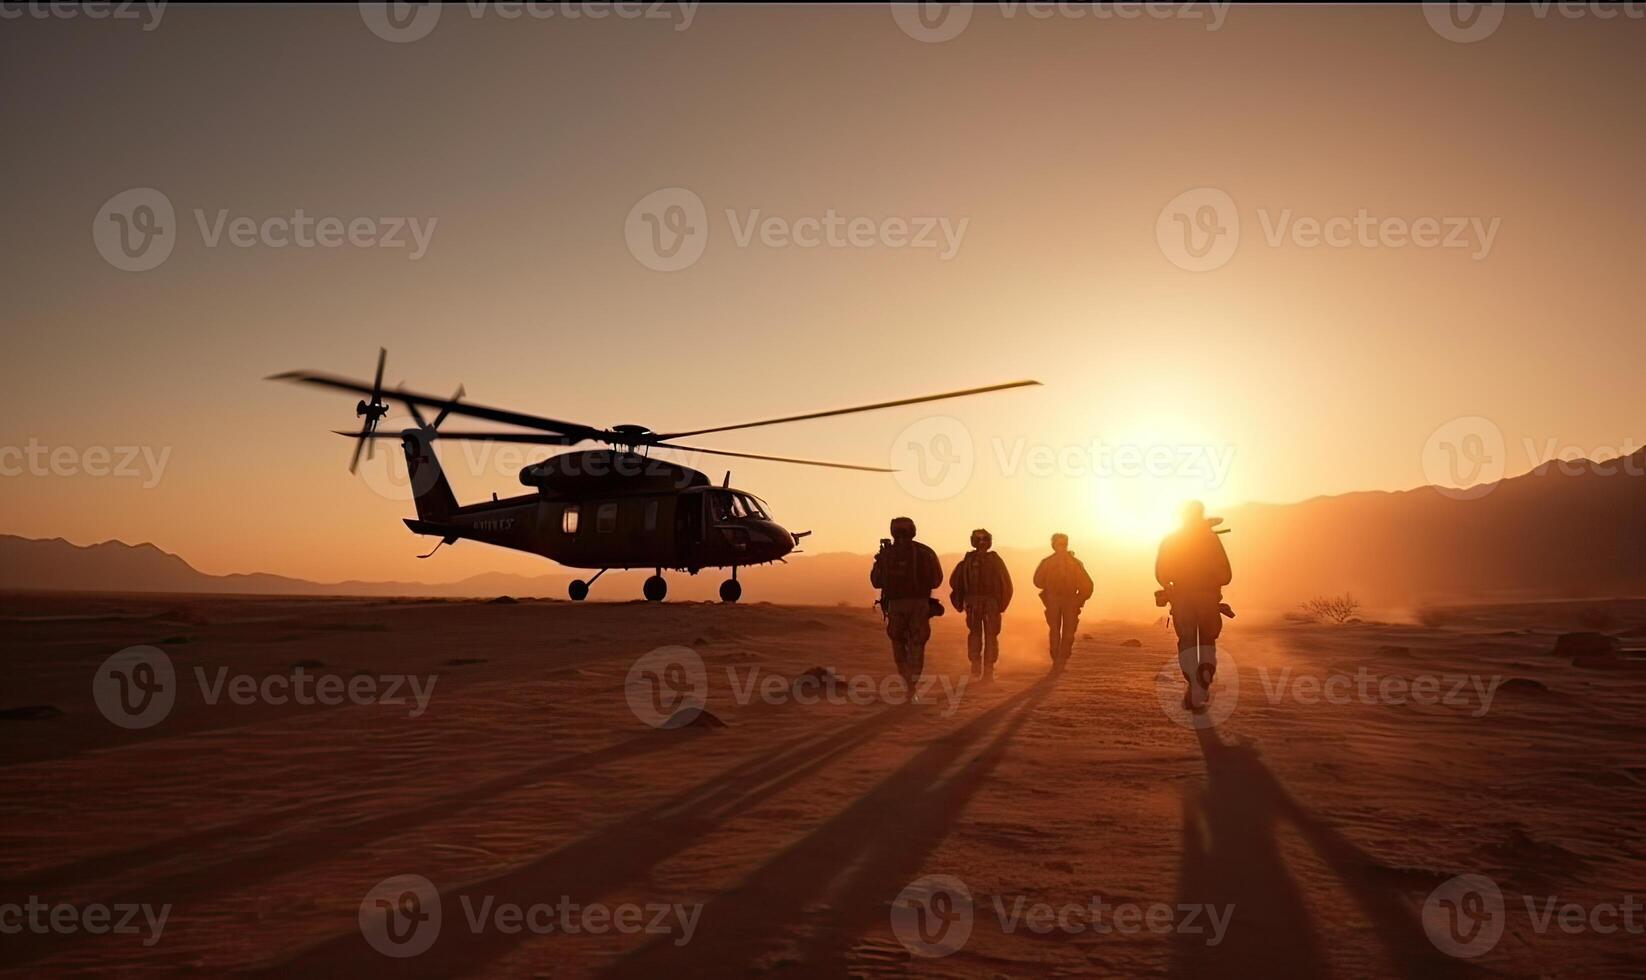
<point>1044,154</point>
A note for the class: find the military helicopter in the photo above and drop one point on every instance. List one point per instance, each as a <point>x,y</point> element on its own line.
<point>596,508</point>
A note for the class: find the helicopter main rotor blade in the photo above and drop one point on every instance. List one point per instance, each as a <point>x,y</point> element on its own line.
<point>849,411</point>
<point>773,459</point>
<point>360,443</point>
<point>447,411</point>
<point>502,415</point>
<point>543,439</point>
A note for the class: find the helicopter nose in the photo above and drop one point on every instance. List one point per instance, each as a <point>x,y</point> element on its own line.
<point>771,538</point>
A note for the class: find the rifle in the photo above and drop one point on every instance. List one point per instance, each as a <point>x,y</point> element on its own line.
<point>885,614</point>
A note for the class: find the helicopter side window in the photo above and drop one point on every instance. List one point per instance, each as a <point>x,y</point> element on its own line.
<point>720,506</point>
<point>605,519</point>
<point>568,520</point>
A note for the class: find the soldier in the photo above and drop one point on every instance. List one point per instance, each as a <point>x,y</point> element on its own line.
<point>1064,588</point>
<point>981,587</point>
<point>906,572</point>
<point>1192,569</point>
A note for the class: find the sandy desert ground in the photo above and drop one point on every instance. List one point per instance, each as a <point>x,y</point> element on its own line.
<point>1352,774</point>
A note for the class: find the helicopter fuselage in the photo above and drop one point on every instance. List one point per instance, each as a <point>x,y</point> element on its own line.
<point>604,509</point>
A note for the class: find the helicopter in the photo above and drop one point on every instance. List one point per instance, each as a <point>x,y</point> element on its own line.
<point>597,509</point>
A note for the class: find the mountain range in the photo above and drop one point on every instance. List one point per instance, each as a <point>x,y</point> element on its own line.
<point>1565,530</point>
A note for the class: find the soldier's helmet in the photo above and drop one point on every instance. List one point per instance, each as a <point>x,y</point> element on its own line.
<point>981,538</point>
<point>902,528</point>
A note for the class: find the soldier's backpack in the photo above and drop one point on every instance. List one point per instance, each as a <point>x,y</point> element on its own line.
<point>900,570</point>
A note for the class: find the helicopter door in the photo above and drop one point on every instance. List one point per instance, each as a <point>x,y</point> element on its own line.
<point>689,519</point>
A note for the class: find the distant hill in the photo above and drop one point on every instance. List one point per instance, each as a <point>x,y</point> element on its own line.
<point>1563,531</point>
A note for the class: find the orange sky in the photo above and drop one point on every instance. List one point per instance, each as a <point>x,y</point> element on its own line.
<point>1052,146</point>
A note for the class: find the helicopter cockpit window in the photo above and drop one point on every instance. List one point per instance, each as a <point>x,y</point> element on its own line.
<point>726,505</point>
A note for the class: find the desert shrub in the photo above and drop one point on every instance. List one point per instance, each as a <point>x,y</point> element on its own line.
<point>1435,617</point>
<point>1336,609</point>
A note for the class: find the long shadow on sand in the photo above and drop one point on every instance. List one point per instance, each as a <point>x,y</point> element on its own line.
<point>1231,856</point>
<point>839,880</point>
<point>311,846</point>
<point>619,854</point>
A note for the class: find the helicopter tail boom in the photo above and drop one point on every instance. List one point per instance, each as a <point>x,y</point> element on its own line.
<point>433,495</point>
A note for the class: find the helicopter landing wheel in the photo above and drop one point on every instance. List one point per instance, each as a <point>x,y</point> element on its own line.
<point>731,590</point>
<point>655,589</point>
<point>579,590</point>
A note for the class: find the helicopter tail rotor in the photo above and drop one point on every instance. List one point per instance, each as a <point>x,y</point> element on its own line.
<point>371,411</point>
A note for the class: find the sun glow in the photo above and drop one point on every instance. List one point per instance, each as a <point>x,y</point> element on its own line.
<point>1138,495</point>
